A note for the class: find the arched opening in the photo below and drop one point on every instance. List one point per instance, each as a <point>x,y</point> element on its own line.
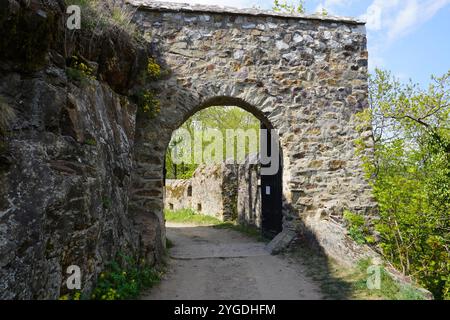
<point>229,168</point>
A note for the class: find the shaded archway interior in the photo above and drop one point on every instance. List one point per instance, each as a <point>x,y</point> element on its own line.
<point>271,201</point>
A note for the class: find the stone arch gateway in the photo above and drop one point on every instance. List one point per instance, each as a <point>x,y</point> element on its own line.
<point>307,75</point>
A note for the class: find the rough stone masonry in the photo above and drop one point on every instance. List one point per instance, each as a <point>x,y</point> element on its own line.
<point>212,190</point>
<point>82,175</point>
<point>304,76</point>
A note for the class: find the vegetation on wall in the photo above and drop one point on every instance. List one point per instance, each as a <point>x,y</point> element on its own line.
<point>26,36</point>
<point>410,175</point>
<point>147,103</point>
<point>289,7</point>
<point>122,279</point>
<point>102,16</point>
<point>79,70</point>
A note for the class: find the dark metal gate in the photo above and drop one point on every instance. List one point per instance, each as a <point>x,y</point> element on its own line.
<point>271,195</point>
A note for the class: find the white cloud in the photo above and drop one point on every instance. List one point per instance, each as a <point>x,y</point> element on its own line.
<point>376,13</point>
<point>399,18</point>
<point>331,5</point>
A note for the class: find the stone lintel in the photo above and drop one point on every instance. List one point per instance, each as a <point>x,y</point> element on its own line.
<point>211,9</point>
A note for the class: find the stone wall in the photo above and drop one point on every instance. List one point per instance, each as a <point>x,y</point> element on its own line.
<point>212,191</point>
<point>304,76</point>
<point>249,193</point>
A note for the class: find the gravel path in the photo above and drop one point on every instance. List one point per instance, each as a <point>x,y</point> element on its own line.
<point>207,263</point>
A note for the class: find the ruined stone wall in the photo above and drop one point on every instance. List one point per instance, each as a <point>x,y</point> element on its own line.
<point>212,191</point>
<point>249,193</point>
<point>176,194</point>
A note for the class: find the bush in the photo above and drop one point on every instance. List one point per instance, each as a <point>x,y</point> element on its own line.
<point>102,16</point>
<point>79,70</point>
<point>153,69</point>
<point>120,282</point>
<point>410,175</point>
<point>148,104</point>
<point>357,228</point>
<point>390,288</point>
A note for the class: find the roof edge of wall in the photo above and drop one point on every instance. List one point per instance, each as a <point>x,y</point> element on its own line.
<point>198,8</point>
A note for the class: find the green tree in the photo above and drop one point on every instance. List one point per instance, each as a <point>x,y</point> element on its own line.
<point>410,174</point>
<point>289,7</point>
<point>218,118</point>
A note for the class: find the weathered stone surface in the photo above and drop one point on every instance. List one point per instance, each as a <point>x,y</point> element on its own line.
<point>198,8</point>
<point>304,76</point>
<point>281,241</point>
<point>249,192</point>
<point>64,196</point>
<point>212,191</point>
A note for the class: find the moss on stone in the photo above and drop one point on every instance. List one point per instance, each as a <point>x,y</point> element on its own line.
<point>176,190</point>
<point>27,36</point>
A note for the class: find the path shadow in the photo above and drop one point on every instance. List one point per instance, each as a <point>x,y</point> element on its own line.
<point>308,251</point>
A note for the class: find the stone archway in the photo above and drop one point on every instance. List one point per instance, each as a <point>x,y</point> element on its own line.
<point>152,140</point>
<point>307,75</point>
<point>232,183</point>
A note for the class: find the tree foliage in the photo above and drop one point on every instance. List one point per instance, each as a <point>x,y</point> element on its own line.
<point>410,174</point>
<point>289,7</point>
<point>217,118</point>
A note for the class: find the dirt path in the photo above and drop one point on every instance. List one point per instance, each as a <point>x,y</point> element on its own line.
<point>208,263</point>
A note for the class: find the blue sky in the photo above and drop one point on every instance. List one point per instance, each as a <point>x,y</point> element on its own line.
<point>409,37</point>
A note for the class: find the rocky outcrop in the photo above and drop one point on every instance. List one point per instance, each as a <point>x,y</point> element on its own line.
<point>64,183</point>
<point>66,158</point>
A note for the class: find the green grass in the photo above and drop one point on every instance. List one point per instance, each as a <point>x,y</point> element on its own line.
<point>122,279</point>
<point>339,283</point>
<point>190,216</point>
<point>390,289</point>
